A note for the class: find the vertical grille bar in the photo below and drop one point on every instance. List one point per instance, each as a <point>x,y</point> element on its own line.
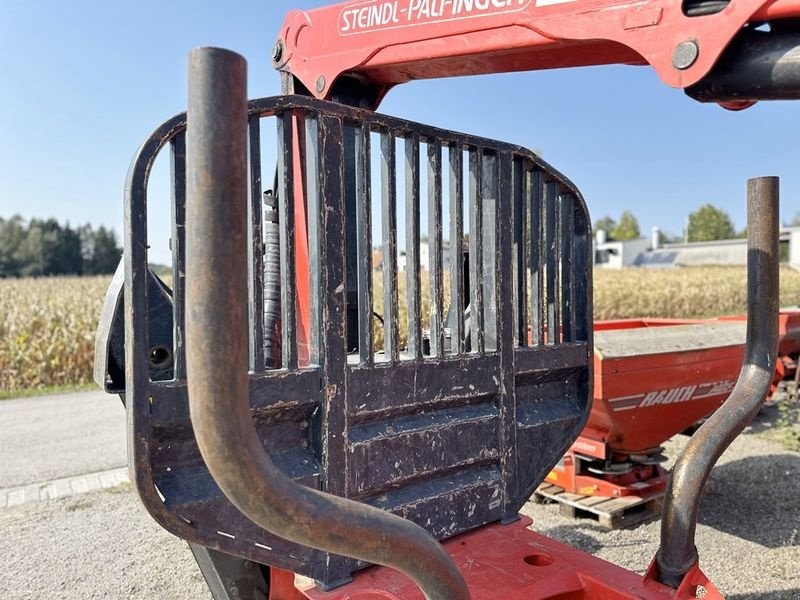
<point>489,249</point>
<point>178,243</point>
<point>582,281</point>
<point>391,334</point>
<point>412,246</point>
<point>435,256</point>
<point>456,242</point>
<point>364,245</point>
<point>350,177</point>
<point>551,244</point>
<point>476,249</point>
<point>520,263</point>
<point>536,265</point>
<point>332,300</point>
<point>507,199</point>
<point>255,248</point>
<point>286,211</point>
<point>567,265</point>
<point>314,235</point>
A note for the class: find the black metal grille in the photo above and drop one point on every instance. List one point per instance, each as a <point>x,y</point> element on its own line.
<point>452,428</point>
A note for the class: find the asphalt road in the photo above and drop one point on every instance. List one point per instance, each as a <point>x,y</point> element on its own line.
<point>59,436</point>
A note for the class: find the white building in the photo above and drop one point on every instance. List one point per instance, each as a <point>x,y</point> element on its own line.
<point>696,254</point>
<point>615,255</point>
<point>424,257</point>
<point>794,246</point>
<point>715,253</point>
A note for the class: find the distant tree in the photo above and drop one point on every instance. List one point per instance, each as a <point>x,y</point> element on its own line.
<point>67,259</point>
<point>86,235</point>
<point>667,238</point>
<point>627,228</point>
<point>50,249</point>
<point>105,252</point>
<point>44,247</point>
<point>30,253</point>
<point>12,236</point>
<point>796,221</point>
<point>710,223</point>
<point>605,223</point>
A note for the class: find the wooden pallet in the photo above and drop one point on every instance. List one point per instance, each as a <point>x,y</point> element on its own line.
<point>613,513</point>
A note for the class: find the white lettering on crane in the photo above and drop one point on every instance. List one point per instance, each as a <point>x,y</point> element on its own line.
<point>379,15</point>
<point>672,395</point>
<point>368,17</point>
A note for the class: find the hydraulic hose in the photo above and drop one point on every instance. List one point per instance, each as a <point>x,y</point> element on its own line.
<point>677,553</point>
<point>217,354</point>
<point>272,283</point>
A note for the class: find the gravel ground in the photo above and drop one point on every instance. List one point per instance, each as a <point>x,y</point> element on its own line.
<point>97,545</point>
<point>105,545</point>
<point>748,534</point>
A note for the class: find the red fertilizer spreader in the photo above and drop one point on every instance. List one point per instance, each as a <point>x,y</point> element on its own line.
<point>653,379</point>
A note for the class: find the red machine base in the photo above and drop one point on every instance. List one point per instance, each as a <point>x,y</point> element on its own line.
<point>572,473</point>
<point>510,562</point>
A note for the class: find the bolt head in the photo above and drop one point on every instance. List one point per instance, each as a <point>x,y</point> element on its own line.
<point>277,51</point>
<point>685,54</point>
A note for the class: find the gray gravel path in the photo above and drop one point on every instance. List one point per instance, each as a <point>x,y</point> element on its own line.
<point>748,534</point>
<point>58,436</point>
<point>96,545</point>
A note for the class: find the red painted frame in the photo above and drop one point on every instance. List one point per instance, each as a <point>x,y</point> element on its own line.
<point>513,563</point>
<point>423,39</point>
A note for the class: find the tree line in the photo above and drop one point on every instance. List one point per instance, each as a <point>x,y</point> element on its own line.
<point>42,247</point>
<point>708,223</point>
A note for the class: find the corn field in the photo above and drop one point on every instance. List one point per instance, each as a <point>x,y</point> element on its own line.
<point>692,293</point>
<point>47,329</point>
<point>696,293</point>
<point>47,326</point>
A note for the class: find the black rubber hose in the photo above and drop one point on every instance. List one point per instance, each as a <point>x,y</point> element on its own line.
<point>272,283</point>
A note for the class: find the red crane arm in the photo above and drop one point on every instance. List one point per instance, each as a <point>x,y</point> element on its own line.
<point>386,42</point>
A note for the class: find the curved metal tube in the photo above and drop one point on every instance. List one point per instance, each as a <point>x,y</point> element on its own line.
<point>677,553</point>
<point>217,354</point>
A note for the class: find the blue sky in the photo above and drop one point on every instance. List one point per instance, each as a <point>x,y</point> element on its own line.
<point>84,82</point>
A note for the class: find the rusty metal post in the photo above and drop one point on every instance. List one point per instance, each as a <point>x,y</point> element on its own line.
<point>217,354</point>
<point>677,553</point>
